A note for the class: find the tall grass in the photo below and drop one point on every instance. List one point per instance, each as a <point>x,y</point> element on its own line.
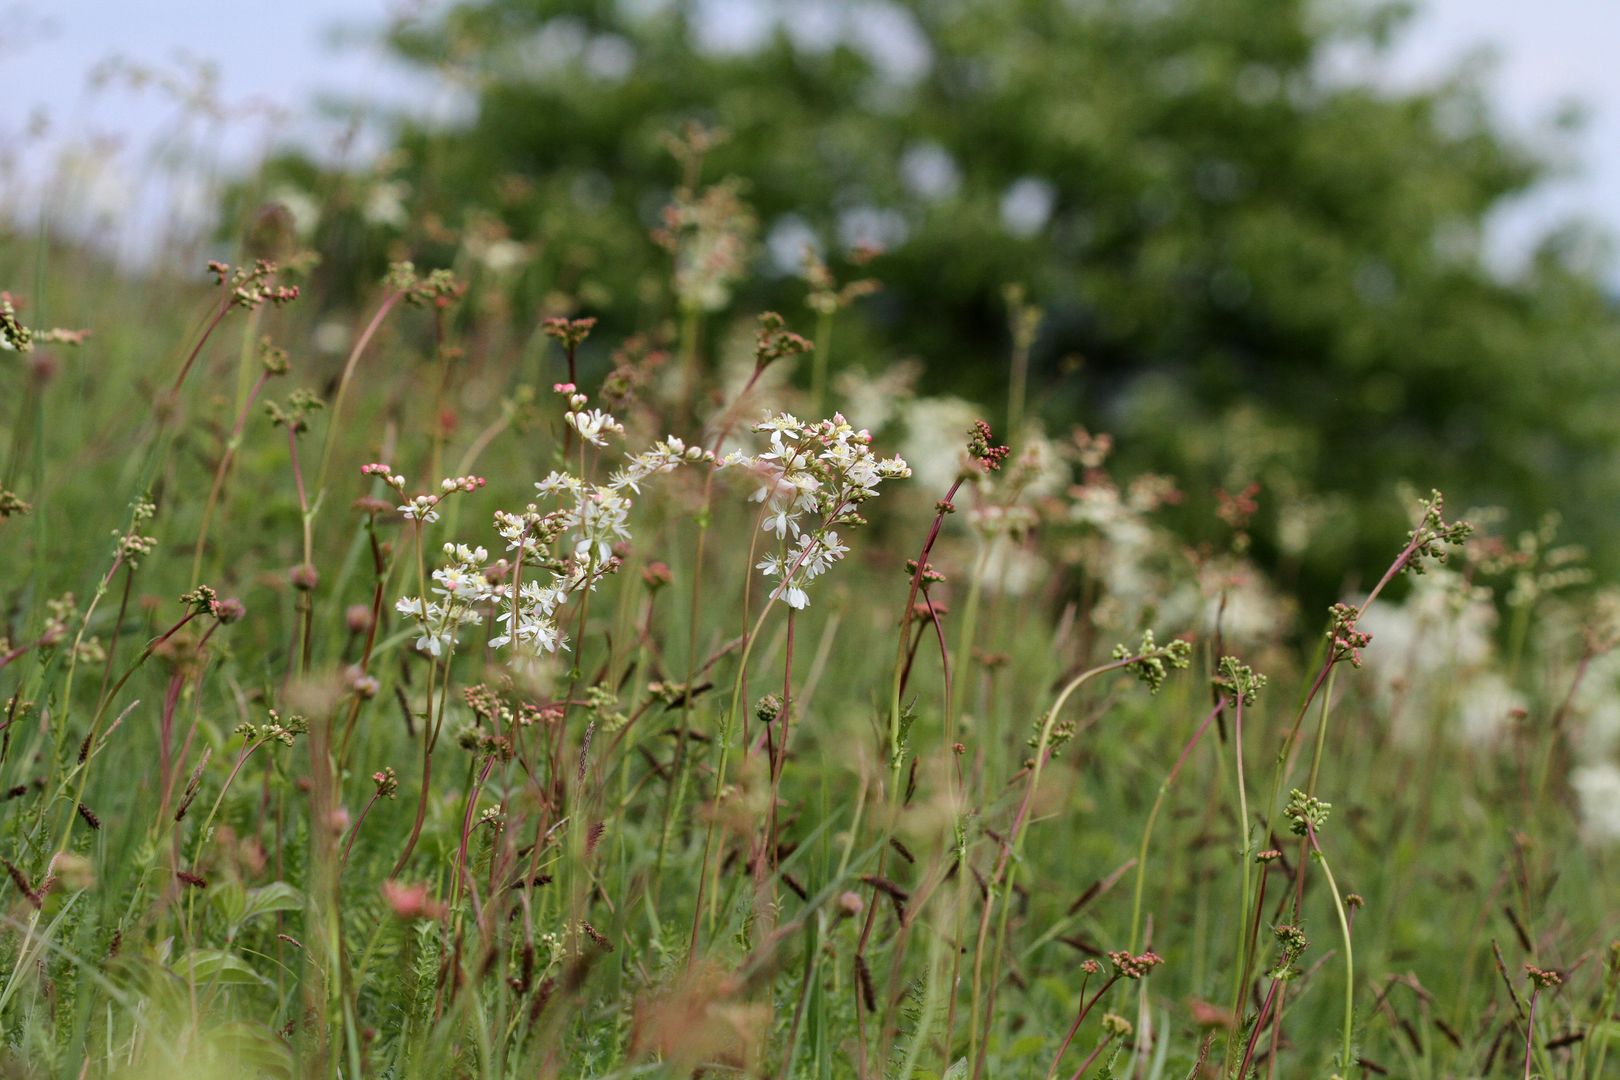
<point>331,746</point>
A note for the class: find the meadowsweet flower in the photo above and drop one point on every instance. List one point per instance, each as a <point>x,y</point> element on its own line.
<point>463,590</point>
<point>421,508</point>
<point>1597,788</point>
<point>594,425</point>
<point>812,477</point>
<point>569,548</point>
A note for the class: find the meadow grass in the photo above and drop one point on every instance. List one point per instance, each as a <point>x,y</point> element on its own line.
<point>791,766</point>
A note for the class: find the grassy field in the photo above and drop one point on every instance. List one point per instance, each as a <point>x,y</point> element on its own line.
<point>801,760</point>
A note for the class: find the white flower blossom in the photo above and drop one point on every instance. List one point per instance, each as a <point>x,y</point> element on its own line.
<point>812,478</point>
<point>594,425</point>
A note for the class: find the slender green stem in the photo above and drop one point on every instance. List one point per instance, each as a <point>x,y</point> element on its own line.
<point>1346,1058</point>
<point>1006,866</point>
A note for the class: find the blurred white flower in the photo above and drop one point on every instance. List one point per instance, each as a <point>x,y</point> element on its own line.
<point>385,204</point>
<point>1598,788</point>
<point>1485,706</point>
<point>933,442</point>
<point>301,207</point>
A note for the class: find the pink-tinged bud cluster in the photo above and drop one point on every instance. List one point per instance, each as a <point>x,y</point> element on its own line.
<point>1134,967</point>
<point>987,454</point>
<point>386,474</point>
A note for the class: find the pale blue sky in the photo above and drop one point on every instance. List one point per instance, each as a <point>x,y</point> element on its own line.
<point>285,56</point>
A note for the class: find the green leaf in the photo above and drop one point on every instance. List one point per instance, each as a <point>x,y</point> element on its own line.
<point>231,900</point>
<point>276,896</point>
<point>215,966</point>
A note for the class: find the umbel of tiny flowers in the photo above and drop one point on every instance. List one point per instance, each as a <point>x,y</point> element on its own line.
<point>439,287</point>
<point>204,601</point>
<point>1151,659</point>
<point>460,583</point>
<point>826,296</point>
<point>709,233</point>
<point>1434,534</point>
<point>812,479</point>
<point>422,508</point>
<point>981,450</point>
<point>1348,641</point>
<point>132,546</point>
<point>274,730</point>
<point>1127,966</point>
<point>13,334</point>
<point>252,286</point>
<point>295,415</point>
<point>1238,681</point>
<point>1543,978</point>
<point>571,333</point>
<point>1306,813</point>
<point>1291,943</point>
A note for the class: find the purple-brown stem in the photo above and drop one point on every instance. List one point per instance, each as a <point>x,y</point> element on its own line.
<point>1259,1025</point>
<point>1085,1008</point>
<point>355,831</point>
<point>466,832</point>
<point>1530,1031</point>
<point>219,316</point>
<point>1091,1058</point>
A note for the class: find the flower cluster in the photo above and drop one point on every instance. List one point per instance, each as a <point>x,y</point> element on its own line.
<point>570,547</point>
<point>590,520</point>
<point>422,508</point>
<point>1306,813</point>
<point>1127,966</point>
<point>15,337</point>
<point>1544,978</point>
<point>131,546</point>
<point>1348,640</point>
<point>294,416</point>
<point>986,454</point>
<point>569,332</point>
<point>710,234</point>
<point>1239,682</point>
<point>1432,536</point>
<point>438,289</point>
<point>274,730</point>
<point>1292,942</point>
<point>812,479</point>
<point>387,783</point>
<point>463,592</point>
<point>1148,661</point>
<point>251,286</point>
<point>827,297</point>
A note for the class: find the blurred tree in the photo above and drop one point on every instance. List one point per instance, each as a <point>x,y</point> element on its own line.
<point>1253,266</point>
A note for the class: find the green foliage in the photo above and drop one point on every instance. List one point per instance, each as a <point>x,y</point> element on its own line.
<point>334,832</point>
